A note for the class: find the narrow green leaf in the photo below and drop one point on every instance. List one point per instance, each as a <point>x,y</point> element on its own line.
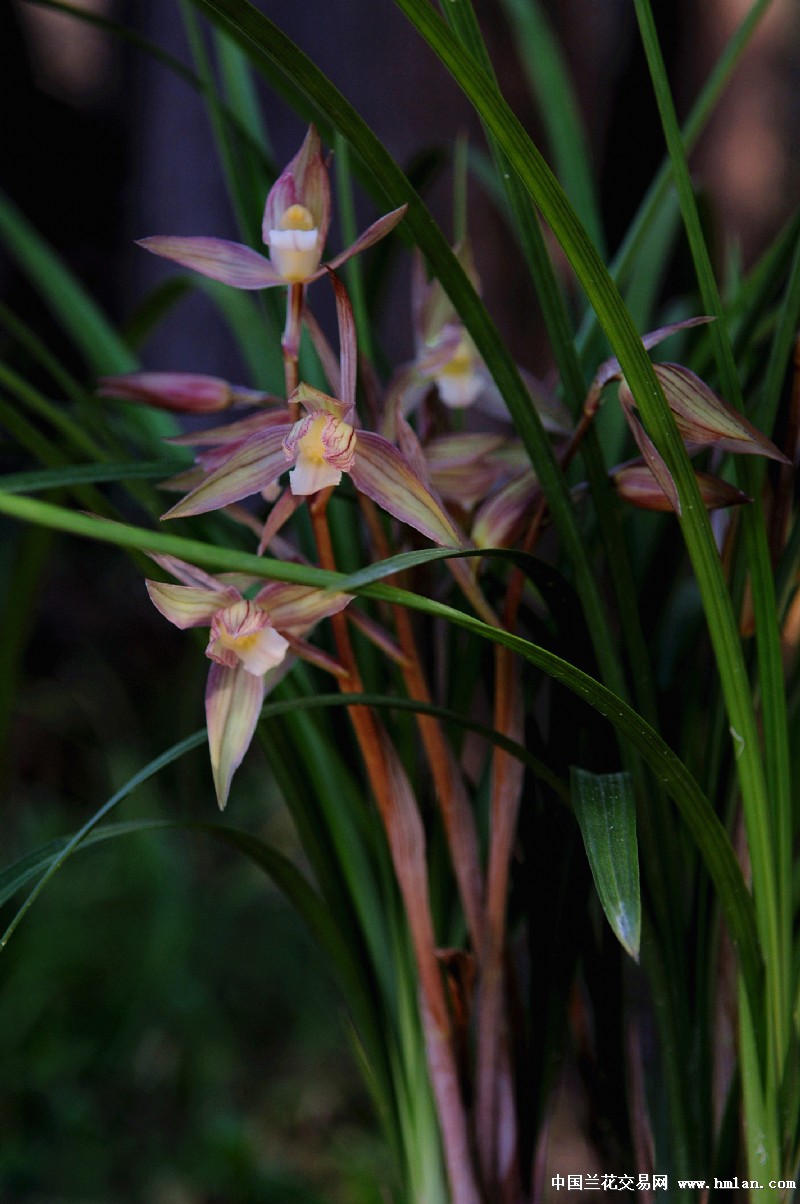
<point>605,808</point>
<point>549,77</point>
<point>58,859</point>
<point>83,474</point>
<point>766,787</point>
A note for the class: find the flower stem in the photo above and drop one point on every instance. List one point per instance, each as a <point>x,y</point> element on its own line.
<point>406,838</point>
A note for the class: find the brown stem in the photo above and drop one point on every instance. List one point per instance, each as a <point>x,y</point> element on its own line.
<point>457,814</point>
<point>406,838</point>
<point>495,1115</point>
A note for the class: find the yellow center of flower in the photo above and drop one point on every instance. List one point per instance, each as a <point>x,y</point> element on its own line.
<point>457,380</point>
<point>296,217</point>
<point>460,363</point>
<point>239,643</point>
<point>311,446</point>
<point>295,247</point>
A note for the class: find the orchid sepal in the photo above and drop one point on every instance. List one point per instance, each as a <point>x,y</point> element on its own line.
<point>188,605</point>
<point>232,432</point>
<point>252,466</point>
<point>384,475</point>
<point>705,420</point>
<point>229,262</point>
<point>374,233</point>
<point>499,518</point>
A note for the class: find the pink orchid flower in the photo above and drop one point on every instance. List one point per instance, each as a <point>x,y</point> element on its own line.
<point>318,449</point>
<point>295,226</point>
<point>447,358</point>
<point>249,644</point>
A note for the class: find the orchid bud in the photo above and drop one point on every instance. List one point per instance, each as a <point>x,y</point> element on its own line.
<point>183,392</point>
<point>636,484</point>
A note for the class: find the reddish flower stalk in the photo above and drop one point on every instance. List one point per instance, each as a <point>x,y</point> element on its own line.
<point>406,837</point>
<point>457,815</point>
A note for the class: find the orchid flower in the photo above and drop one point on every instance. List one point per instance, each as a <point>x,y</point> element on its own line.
<point>447,358</point>
<point>297,217</point>
<point>249,643</point>
<point>318,449</point>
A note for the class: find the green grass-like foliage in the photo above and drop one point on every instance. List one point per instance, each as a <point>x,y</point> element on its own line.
<point>532,801</point>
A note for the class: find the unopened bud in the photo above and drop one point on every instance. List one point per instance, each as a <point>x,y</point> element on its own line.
<point>636,484</point>
<point>184,392</point>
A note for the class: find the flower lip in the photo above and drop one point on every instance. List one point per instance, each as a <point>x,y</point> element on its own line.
<point>457,380</point>
<point>243,633</point>
<point>295,246</point>
<point>322,447</point>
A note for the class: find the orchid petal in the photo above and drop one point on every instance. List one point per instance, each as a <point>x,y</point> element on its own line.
<point>374,233</point>
<point>309,476</point>
<point>234,699</point>
<point>230,262</point>
<point>293,609</point>
<point>188,605</point>
<point>304,181</point>
<point>254,465</point>
<point>243,631</point>
<point>383,474</point>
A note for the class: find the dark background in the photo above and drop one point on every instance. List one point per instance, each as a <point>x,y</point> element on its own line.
<point>166,1033</point>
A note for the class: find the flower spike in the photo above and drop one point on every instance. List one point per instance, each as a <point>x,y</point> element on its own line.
<point>318,449</point>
